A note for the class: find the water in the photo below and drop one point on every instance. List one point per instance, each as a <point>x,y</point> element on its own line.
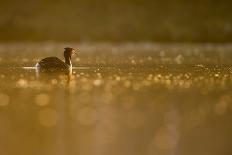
<point>132,99</point>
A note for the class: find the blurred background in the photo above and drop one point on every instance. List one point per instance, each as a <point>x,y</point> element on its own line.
<point>116,20</point>
<point>151,77</point>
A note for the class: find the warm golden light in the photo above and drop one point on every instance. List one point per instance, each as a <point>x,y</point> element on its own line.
<point>4,99</point>
<point>48,117</point>
<point>42,99</point>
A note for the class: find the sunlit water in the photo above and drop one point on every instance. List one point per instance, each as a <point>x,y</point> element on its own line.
<point>122,99</point>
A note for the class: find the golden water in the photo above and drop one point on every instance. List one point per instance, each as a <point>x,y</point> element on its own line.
<point>122,99</point>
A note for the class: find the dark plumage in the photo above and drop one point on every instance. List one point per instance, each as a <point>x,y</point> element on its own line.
<point>54,64</point>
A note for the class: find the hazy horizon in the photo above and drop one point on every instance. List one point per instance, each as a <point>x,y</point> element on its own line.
<point>119,21</point>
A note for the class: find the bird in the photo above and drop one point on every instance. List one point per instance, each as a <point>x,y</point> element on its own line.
<point>55,65</point>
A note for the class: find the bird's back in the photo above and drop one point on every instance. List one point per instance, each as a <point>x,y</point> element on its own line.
<point>52,64</point>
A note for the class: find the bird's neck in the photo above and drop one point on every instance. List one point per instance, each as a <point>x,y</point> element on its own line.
<point>68,61</point>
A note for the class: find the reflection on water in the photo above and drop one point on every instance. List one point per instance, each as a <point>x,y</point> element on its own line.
<point>151,99</point>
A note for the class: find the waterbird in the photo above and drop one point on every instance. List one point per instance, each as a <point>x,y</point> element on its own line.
<point>54,64</point>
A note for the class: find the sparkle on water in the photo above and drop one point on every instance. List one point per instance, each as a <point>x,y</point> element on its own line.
<point>132,99</point>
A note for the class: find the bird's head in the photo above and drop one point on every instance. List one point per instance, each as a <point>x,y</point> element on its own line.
<point>69,52</point>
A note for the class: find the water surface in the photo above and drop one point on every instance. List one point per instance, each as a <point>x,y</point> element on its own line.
<point>127,99</point>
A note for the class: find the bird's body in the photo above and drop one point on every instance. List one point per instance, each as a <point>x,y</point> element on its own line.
<point>52,64</point>
<point>55,65</point>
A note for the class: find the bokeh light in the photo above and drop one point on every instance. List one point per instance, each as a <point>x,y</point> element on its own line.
<point>42,99</point>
